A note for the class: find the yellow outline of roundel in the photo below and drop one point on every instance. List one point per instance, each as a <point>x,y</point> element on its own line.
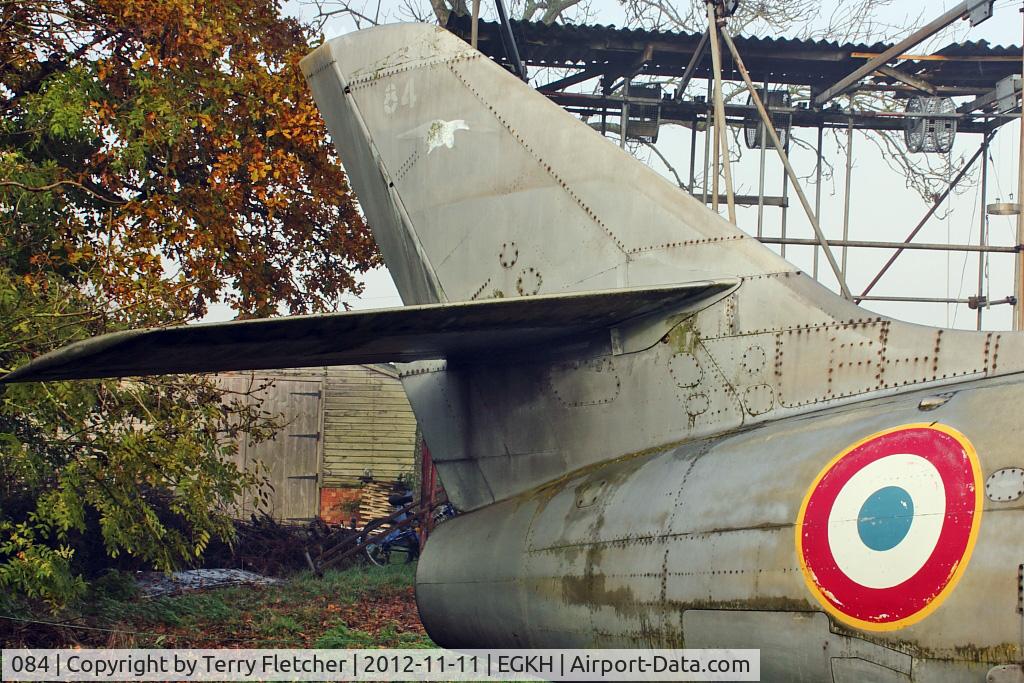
<point>950,585</point>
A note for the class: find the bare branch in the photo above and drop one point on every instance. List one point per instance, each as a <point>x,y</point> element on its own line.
<point>668,165</point>
<point>59,183</point>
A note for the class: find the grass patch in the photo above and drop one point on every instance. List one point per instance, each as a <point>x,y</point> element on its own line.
<point>343,637</point>
<point>359,607</point>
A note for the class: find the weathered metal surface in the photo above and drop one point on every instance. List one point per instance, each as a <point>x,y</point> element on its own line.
<point>638,495</point>
<point>1007,673</point>
<point>1005,485</point>
<point>463,330</point>
<point>628,228</point>
<point>694,546</point>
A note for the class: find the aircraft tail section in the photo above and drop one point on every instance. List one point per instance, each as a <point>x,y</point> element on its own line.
<point>477,187</point>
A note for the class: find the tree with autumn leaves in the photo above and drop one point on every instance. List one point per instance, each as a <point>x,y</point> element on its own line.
<point>156,156</point>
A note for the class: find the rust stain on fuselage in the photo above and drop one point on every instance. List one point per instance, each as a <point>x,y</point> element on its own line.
<point>684,337</point>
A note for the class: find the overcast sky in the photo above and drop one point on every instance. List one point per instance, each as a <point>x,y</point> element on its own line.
<point>882,208</point>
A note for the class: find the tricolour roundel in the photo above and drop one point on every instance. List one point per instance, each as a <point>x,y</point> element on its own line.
<point>887,528</point>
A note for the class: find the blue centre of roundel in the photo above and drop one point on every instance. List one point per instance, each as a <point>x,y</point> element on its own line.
<point>885,518</point>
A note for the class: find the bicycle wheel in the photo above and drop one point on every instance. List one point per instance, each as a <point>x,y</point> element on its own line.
<point>378,555</point>
<point>411,552</point>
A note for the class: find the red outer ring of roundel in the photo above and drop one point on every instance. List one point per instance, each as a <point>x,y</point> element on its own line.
<point>895,605</point>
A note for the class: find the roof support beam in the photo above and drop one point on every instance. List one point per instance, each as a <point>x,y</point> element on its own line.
<point>572,79</point>
<point>635,68</point>
<point>686,112</point>
<point>912,81</point>
<point>989,98</point>
<point>993,59</point>
<point>893,52</point>
<point>698,54</point>
<point>948,90</point>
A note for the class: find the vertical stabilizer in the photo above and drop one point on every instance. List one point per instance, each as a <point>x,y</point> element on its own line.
<point>477,186</point>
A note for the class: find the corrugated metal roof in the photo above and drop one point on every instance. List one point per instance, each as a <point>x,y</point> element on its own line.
<point>980,48</point>
<point>777,59</point>
<point>592,32</point>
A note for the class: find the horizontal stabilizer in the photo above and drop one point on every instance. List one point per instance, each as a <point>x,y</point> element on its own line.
<point>467,330</point>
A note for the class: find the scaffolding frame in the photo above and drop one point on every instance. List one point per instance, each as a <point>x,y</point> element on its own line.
<point>618,56</point>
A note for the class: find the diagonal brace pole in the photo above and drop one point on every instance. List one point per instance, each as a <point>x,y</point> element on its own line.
<point>931,212</point>
<point>570,80</point>
<point>769,127</point>
<point>912,81</point>
<point>698,53</point>
<point>508,41</point>
<point>922,34</point>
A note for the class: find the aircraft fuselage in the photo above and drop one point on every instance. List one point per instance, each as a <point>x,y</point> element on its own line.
<point>697,545</point>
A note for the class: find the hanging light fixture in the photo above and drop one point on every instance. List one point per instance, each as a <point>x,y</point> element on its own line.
<point>753,127</point>
<point>930,134</point>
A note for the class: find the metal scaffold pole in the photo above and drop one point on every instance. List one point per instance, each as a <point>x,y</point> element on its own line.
<point>983,230</point>
<point>846,194</point>
<point>1018,286</point>
<point>817,195</point>
<point>475,29</point>
<point>770,129</point>
<point>721,131</point>
<point>760,178</point>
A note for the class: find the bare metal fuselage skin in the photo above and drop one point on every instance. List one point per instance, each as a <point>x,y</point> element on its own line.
<point>694,547</point>
<point>645,486</point>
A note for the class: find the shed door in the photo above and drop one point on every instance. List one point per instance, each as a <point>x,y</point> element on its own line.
<point>292,458</point>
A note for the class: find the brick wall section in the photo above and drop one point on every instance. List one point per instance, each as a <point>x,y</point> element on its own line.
<point>339,505</point>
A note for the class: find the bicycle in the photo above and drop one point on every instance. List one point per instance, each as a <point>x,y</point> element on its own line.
<point>405,540</point>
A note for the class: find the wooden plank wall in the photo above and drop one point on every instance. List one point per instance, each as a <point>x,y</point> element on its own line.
<point>291,459</point>
<point>369,426</point>
<point>365,425</point>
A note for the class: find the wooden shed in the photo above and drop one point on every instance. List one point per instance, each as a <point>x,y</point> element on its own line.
<point>347,428</point>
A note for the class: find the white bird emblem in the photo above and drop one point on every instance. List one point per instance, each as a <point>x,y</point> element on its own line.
<point>437,133</point>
